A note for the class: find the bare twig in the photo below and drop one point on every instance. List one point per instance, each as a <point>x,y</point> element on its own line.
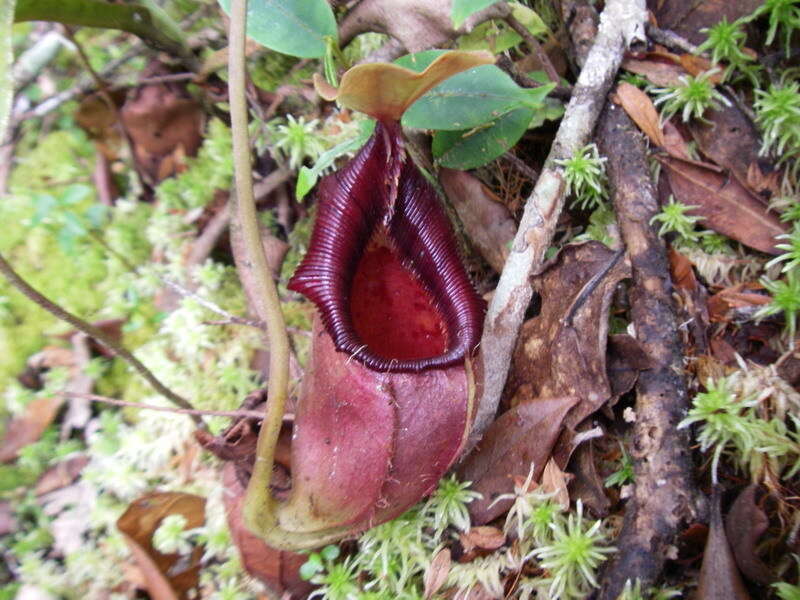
<point>521,166</point>
<point>670,39</point>
<point>94,332</point>
<point>534,46</point>
<point>664,495</point>
<point>240,414</point>
<point>622,21</point>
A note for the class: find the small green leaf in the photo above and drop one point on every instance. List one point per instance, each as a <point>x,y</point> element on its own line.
<point>307,178</point>
<point>462,9</point>
<point>471,149</point>
<point>330,552</point>
<point>419,61</point>
<point>466,100</point>
<point>74,194</point>
<point>294,27</point>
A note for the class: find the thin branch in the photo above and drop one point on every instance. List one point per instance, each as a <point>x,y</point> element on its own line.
<point>621,23</point>
<point>665,496</point>
<point>520,166</point>
<point>236,414</point>
<point>670,39</point>
<point>96,333</point>
<point>534,46</point>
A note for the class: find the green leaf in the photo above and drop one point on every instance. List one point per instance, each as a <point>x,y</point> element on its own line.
<point>6,60</point>
<point>419,61</point>
<point>307,178</point>
<point>471,149</point>
<point>462,9</point>
<point>469,99</point>
<point>295,27</point>
<point>330,552</point>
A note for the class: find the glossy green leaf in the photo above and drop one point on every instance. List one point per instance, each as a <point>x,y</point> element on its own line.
<point>295,27</point>
<point>462,9</point>
<point>469,99</point>
<point>419,61</point>
<point>474,148</point>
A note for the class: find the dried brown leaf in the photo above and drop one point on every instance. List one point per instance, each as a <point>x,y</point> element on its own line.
<point>61,474</point>
<point>168,576</point>
<point>726,205</point>
<point>689,17</point>
<point>562,352</point>
<point>437,572</point>
<point>554,481</point>
<point>746,522</point>
<point>483,537</point>
<point>727,137</point>
<point>641,109</point>
<point>28,427</point>
<point>521,437</point>
<point>486,220</point>
<point>719,577</point>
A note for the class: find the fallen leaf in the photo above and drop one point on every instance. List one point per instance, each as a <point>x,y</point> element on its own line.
<point>726,205</point>
<point>437,572</point>
<point>727,137</point>
<point>278,569</point>
<point>723,304</point>
<point>168,576</point>
<point>695,65</point>
<point>487,222</point>
<point>483,537</point>
<point>562,352</point>
<point>162,119</point>
<point>587,485</point>
<point>522,436</point>
<point>688,18</point>
<point>745,523</point>
<point>658,72</point>
<point>719,578</point>
<point>626,358</point>
<point>641,109</point>
<point>554,481</point>
<point>61,474</point>
<point>29,426</point>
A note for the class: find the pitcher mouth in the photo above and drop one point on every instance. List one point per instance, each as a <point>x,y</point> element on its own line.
<point>383,266</point>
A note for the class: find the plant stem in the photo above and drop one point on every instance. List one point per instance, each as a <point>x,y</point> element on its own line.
<point>259,505</point>
<point>133,18</point>
<point>92,331</point>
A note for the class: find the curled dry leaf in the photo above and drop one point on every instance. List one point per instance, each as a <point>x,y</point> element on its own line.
<point>483,537</point>
<point>554,481</point>
<point>29,426</point>
<point>167,576</point>
<point>719,577</point>
<point>520,437</point>
<point>746,522</point>
<point>626,358</point>
<point>385,90</point>
<point>562,352</point>
<point>726,205</point>
<point>437,572</point>
<point>487,222</point>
